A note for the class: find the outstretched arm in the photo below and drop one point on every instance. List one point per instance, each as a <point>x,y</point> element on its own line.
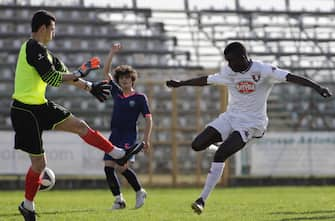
<point>116,47</point>
<point>323,91</point>
<point>99,89</point>
<point>200,81</point>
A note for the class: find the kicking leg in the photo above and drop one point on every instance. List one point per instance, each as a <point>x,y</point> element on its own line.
<point>95,138</point>
<point>207,137</point>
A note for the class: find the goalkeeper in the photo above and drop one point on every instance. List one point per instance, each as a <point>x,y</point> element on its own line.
<point>31,113</point>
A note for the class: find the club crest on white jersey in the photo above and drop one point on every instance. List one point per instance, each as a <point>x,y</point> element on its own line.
<point>246,87</point>
<point>256,77</point>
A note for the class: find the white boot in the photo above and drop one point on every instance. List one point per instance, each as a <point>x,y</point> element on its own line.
<point>117,152</point>
<point>119,203</point>
<point>140,198</point>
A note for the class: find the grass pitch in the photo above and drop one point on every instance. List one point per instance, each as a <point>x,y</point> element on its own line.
<point>233,204</point>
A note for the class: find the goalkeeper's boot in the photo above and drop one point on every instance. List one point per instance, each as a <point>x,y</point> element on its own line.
<point>198,206</point>
<point>140,198</point>
<point>132,150</point>
<point>27,214</point>
<point>119,204</point>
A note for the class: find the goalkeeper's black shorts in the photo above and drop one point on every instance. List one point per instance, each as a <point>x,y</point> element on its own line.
<point>29,121</point>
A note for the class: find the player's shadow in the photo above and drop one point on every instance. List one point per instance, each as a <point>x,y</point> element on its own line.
<point>50,212</point>
<point>308,215</point>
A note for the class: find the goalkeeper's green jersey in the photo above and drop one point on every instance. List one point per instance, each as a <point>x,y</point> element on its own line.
<point>36,68</point>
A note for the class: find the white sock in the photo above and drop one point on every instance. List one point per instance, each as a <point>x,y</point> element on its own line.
<point>140,191</point>
<point>213,177</point>
<point>117,153</point>
<point>29,205</point>
<point>119,197</point>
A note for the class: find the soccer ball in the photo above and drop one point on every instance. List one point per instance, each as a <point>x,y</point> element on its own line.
<point>48,179</point>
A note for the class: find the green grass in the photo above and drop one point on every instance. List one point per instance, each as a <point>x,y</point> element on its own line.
<point>232,204</point>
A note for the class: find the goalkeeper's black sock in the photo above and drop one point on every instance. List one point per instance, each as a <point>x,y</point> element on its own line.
<point>112,180</point>
<point>131,177</point>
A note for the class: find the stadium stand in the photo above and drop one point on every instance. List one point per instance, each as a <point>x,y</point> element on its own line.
<point>143,41</point>
<point>78,38</point>
<point>299,41</point>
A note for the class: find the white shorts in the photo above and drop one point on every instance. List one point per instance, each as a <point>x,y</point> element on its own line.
<point>225,124</point>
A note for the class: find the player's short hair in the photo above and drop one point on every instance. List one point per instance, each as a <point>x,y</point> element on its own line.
<point>122,70</point>
<point>40,18</point>
<point>235,48</point>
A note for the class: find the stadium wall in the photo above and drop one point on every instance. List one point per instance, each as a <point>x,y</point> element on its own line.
<point>304,158</point>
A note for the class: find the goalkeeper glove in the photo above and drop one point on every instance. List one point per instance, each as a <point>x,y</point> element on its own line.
<point>84,70</point>
<point>100,90</point>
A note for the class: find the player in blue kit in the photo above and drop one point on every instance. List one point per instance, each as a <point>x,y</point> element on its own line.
<point>128,105</point>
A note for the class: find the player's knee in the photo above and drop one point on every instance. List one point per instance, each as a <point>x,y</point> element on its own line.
<point>196,145</point>
<point>110,163</point>
<point>122,168</point>
<point>81,127</point>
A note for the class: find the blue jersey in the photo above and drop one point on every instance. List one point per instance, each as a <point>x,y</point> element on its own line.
<point>125,114</point>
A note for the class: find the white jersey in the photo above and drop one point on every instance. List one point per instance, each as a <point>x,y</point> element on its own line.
<point>248,91</point>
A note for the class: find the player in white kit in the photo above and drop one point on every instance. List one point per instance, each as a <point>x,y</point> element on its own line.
<point>249,84</point>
